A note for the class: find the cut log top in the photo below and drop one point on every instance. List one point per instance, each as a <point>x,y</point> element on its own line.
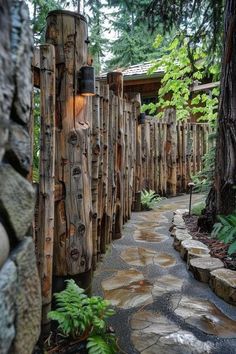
<point>115,82</point>
<point>67,13</point>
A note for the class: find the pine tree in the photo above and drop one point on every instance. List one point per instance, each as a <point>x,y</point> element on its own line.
<point>98,42</point>
<point>134,38</point>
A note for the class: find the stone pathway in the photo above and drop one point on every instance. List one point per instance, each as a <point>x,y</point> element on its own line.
<point>161,308</point>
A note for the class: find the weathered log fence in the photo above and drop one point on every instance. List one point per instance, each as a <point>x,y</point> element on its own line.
<point>96,156</point>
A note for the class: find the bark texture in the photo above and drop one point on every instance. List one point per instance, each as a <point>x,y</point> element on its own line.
<point>222,197</point>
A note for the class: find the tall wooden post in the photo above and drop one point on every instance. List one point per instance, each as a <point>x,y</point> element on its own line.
<point>96,152</point>
<point>115,82</point>
<point>73,246</point>
<point>138,152</point>
<point>47,172</point>
<point>171,151</point>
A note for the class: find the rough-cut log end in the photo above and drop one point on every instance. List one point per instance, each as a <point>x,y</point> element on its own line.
<point>223,283</point>
<point>67,13</point>
<point>201,267</point>
<point>115,82</point>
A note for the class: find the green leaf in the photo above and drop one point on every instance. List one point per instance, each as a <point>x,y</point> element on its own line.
<point>232,248</point>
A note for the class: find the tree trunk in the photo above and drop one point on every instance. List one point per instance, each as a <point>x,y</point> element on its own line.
<point>222,197</point>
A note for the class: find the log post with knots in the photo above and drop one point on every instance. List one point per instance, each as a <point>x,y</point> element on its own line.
<point>73,244</point>
<point>45,237</point>
<point>115,82</point>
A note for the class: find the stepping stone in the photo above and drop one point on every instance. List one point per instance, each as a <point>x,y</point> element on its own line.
<point>205,316</point>
<point>180,235</point>
<point>190,246</point>
<point>127,289</point>
<point>153,333</point>
<point>223,283</point>
<point>144,225</point>
<point>138,256</point>
<point>165,284</point>
<point>146,235</point>
<point>202,267</point>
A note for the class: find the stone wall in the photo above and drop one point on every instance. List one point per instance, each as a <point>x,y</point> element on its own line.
<point>20,299</point>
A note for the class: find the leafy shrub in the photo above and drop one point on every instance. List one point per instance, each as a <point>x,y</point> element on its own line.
<point>204,178</point>
<point>198,207</point>
<point>149,199</point>
<point>225,230</point>
<point>83,317</point>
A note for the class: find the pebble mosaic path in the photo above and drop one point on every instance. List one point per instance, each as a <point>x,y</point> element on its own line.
<point>160,307</point>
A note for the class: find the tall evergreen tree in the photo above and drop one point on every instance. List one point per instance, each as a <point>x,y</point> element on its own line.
<point>209,27</point>
<point>134,37</point>
<point>98,42</point>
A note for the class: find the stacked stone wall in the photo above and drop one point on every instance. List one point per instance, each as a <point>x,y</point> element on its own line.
<point>20,295</point>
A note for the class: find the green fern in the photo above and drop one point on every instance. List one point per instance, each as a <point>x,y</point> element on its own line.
<point>225,231</point>
<point>105,344</point>
<point>79,316</point>
<point>149,199</point>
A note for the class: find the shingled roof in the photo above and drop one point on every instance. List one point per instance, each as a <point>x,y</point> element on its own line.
<point>138,71</point>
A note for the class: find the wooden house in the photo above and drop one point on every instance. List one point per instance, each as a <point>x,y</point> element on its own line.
<point>136,80</point>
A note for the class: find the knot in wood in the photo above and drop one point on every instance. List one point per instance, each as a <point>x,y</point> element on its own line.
<point>73,139</point>
<point>74,254</point>
<point>96,149</point>
<point>81,229</point>
<point>76,171</point>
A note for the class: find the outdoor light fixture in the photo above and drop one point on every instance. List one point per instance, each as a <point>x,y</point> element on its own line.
<point>86,81</point>
<point>141,118</point>
<point>191,185</point>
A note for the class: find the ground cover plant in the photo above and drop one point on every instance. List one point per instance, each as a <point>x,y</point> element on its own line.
<point>149,199</point>
<point>225,230</point>
<point>83,318</point>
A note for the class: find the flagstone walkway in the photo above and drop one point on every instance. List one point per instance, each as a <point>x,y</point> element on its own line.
<point>160,307</point>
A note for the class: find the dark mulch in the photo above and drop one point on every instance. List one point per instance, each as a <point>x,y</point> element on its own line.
<point>55,344</point>
<point>217,248</point>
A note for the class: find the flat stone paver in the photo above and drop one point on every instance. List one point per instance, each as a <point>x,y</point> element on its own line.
<point>139,256</point>
<point>160,307</point>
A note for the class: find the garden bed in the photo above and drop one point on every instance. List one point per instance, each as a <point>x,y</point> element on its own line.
<point>217,248</point>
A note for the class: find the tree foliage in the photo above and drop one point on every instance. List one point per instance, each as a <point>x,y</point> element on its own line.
<point>201,21</point>
<point>134,37</point>
<point>180,73</point>
<point>98,41</point>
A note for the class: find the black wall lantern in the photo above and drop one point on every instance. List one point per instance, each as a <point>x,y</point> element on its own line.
<point>86,81</point>
<point>141,118</point>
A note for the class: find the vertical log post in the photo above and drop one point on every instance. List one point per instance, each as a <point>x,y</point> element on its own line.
<point>184,171</point>
<point>138,153</point>
<point>73,246</point>
<point>96,150</point>
<point>115,82</point>
<point>171,151</point>
<point>47,172</point>
<point>107,219</point>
